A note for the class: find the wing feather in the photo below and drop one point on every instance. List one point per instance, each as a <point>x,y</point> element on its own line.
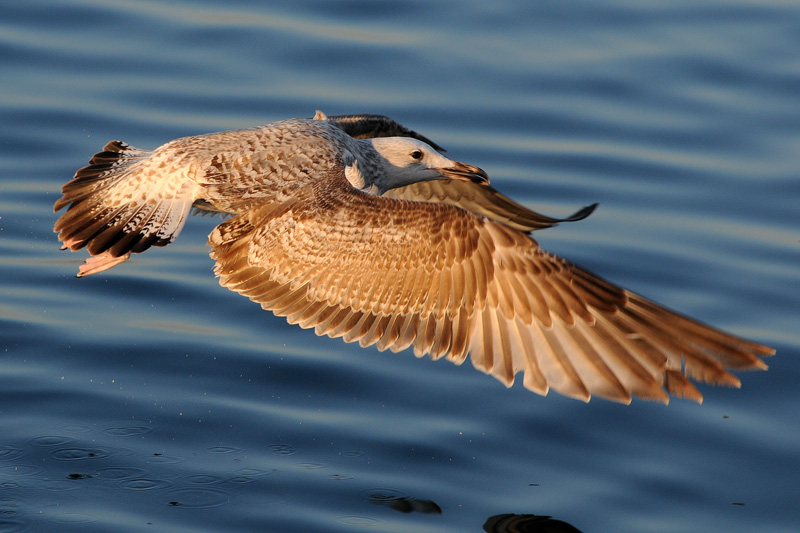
<point>392,333</point>
<point>408,332</point>
<point>449,283</point>
<point>483,200</point>
<point>371,126</point>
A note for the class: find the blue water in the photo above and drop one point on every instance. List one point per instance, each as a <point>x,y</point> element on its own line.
<point>148,398</point>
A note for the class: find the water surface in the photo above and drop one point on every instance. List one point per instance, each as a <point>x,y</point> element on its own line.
<point>149,397</point>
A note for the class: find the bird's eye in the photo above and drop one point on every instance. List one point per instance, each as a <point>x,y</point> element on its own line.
<point>416,154</point>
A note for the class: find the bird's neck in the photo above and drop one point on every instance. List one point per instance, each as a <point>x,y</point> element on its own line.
<point>368,171</point>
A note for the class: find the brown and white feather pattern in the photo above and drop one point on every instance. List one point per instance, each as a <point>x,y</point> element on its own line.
<point>127,199</point>
<point>448,283</point>
<point>443,267</point>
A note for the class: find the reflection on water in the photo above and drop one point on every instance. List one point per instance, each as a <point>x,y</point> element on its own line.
<point>526,523</point>
<point>404,504</point>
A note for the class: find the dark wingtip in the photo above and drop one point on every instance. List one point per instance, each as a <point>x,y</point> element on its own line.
<point>581,214</point>
<point>369,126</point>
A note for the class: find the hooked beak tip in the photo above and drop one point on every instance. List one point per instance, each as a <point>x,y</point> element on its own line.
<point>464,172</point>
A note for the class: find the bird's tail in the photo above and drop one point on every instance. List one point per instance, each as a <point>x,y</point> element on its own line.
<point>121,203</point>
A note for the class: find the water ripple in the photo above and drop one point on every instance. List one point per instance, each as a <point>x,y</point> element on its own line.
<point>49,440</point>
<point>79,454</point>
<point>199,498</point>
<point>10,453</point>
<point>140,484</point>
<point>680,118</point>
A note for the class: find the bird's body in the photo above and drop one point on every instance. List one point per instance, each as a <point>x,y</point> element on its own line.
<point>342,226</point>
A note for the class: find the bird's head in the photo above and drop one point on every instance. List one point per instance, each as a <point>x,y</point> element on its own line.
<point>403,161</point>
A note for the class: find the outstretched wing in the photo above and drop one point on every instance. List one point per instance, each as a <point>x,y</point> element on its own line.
<point>483,200</point>
<point>371,126</point>
<point>447,283</point>
<point>123,202</point>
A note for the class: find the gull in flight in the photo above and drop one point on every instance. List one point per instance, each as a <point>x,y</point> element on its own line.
<point>360,228</point>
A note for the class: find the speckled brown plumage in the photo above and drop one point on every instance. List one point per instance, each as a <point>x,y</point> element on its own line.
<point>443,266</point>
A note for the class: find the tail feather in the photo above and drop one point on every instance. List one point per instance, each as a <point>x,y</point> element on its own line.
<point>79,230</point>
<point>122,202</point>
<point>99,263</point>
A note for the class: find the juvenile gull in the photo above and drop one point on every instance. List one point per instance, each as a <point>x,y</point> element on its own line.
<point>356,226</point>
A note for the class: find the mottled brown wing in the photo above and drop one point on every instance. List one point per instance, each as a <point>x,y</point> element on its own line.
<point>447,283</point>
<point>370,126</point>
<point>483,200</point>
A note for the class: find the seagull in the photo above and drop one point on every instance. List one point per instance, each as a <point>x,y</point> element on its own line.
<point>361,228</point>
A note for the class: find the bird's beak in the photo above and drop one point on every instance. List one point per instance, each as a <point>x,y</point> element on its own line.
<point>464,172</point>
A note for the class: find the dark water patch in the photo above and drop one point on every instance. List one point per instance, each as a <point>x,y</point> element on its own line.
<point>11,526</point>
<point>79,476</point>
<point>526,523</point>
<point>397,501</point>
